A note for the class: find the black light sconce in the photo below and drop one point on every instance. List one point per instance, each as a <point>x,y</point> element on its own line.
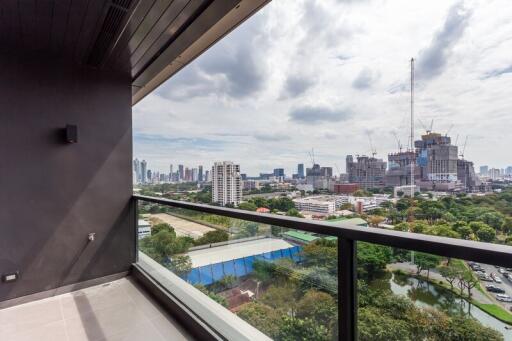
<point>71,133</point>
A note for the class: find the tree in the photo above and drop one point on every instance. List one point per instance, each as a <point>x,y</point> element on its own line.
<point>376,325</point>
<point>293,329</point>
<point>262,317</point>
<point>164,244</point>
<point>404,227</point>
<point>371,259</point>
<point>293,212</point>
<point>159,227</point>
<point>323,253</point>
<point>280,297</point>
<point>450,273</point>
<point>211,237</point>
<point>468,280</point>
<point>493,219</point>
<point>317,306</point>
<point>247,206</point>
<point>180,264</point>
<point>217,298</point>
<point>426,261</point>
<point>486,234</point>
<point>263,270</point>
<point>375,220</point>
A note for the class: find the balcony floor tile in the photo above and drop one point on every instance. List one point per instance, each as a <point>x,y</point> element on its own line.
<point>117,311</point>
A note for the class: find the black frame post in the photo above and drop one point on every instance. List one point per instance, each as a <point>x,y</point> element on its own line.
<point>347,289</point>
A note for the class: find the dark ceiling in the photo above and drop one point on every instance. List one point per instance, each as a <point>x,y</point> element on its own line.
<point>150,39</point>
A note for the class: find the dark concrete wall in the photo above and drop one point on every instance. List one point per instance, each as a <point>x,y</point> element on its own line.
<point>52,194</point>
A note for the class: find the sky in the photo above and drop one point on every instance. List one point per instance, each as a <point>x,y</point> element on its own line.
<point>331,75</point>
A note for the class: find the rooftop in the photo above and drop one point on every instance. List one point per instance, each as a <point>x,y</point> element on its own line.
<point>228,252</point>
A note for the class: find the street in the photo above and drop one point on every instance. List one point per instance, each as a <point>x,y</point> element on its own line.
<point>505,285</point>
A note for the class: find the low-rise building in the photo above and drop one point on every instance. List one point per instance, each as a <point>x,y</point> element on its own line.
<point>143,228</point>
<point>326,204</point>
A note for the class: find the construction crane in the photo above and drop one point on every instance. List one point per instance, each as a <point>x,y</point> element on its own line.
<point>372,149</point>
<point>429,128</point>
<point>312,156</point>
<point>464,148</point>
<point>398,141</point>
<point>456,140</point>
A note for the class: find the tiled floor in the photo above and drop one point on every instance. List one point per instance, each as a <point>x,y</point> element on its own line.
<point>117,311</point>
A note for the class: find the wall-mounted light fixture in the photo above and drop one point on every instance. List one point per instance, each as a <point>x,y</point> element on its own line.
<point>71,133</point>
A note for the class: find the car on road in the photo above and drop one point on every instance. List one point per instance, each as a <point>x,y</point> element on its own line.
<point>503,298</point>
<point>493,288</point>
<point>501,271</point>
<point>484,277</point>
<point>496,278</point>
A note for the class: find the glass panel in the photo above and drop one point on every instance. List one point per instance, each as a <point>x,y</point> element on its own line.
<point>285,288</point>
<point>405,295</point>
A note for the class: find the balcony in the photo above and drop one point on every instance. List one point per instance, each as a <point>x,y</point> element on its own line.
<point>72,265</point>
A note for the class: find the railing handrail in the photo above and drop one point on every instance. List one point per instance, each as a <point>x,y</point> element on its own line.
<point>488,253</point>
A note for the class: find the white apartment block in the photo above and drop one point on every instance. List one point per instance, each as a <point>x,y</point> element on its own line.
<point>226,183</point>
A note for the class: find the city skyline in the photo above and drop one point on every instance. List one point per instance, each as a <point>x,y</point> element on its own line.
<point>260,83</point>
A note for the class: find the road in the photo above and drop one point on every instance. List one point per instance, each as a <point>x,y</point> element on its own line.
<point>411,268</point>
<point>506,285</point>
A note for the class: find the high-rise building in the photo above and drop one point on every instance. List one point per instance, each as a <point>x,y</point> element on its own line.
<point>143,170</point>
<point>226,183</point>
<point>279,172</point>
<point>194,175</point>
<point>508,170</point>
<point>484,170</point>
<point>466,175</point>
<point>494,173</point>
<point>319,177</point>
<point>399,169</point>
<point>437,159</point>
<point>148,176</point>
<point>368,172</point>
<point>200,174</point>
<point>136,171</point>
<point>181,173</point>
<point>300,170</point>
<point>207,176</point>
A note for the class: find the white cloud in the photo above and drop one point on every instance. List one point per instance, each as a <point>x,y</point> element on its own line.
<point>305,74</point>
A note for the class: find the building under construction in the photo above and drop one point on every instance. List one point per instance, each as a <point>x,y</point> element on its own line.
<point>368,172</point>
<point>399,169</point>
<point>437,166</point>
<point>437,159</point>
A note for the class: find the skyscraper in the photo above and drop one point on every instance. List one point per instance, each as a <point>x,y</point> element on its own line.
<point>300,170</point>
<point>226,183</point>
<point>368,172</point>
<point>484,170</point>
<point>136,170</point>
<point>200,175</point>
<point>143,170</point>
<point>279,172</point>
<point>181,174</point>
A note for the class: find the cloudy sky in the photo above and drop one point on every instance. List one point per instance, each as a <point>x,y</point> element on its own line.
<point>327,74</point>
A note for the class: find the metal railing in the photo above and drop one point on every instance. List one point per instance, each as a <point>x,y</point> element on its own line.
<point>495,254</point>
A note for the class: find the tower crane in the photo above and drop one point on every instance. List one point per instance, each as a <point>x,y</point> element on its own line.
<point>399,144</point>
<point>464,148</point>
<point>312,156</point>
<point>372,149</point>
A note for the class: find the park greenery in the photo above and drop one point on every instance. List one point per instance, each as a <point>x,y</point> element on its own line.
<point>300,300</point>
<point>483,218</point>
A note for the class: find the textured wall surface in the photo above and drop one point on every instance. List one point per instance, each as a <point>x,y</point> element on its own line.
<point>52,194</point>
